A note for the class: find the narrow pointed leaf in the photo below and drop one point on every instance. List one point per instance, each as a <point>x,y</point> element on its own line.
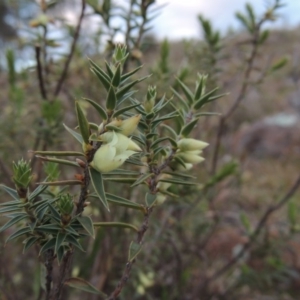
<point>128,180</point>
<point>58,153</point>
<point>178,181</point>
<point>10,191</point>
<point>18,233</point>
<point>29,242</point>
<point>181,99</point>
<point>97,182</point>
<point>87,224</point>
<point>128,86</point>
<point>156,142</point>
<point>204,99</point>
<point>170,130</point>
<point>124,109</point>
<point>83,285</point>
<point>116,224</point>
<point>83,123</point>
<point>62,182</point>
<point>117,76</point>
<point>129,74</point>
<point>200,87</point>
<point>142,179</point>
<point>189,95</point>
<point>186,130</point>
<point>50,244</point>
<point>75,134</point>
<point>60,238</point>
<point>123,202</point>
<point>72,240</point>
<point>9,209</point>
<point>150,199</point>
<point>59,161</point>
<point>134,250</point>
<point>13,221</point>
<point>110,72</point>
<point>111,99</point>
<point>101,111</point>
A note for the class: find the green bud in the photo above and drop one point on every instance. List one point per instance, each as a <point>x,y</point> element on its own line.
<point>120,53</point>
<point>22,174</point>
<point>65,205</point>
<point>189,157</point>
<point>150,99</point>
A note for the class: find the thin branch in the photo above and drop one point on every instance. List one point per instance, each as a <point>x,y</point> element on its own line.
<point>144,227</point>
<point>40,72</point>
<point>67,63</point>
<point>254,235</point>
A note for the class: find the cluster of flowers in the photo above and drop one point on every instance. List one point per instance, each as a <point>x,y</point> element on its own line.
<point>116,147</point>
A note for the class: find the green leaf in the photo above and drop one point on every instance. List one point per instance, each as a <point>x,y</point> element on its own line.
<point>54,212</point>
<point>246,223</point>
<point>124,89</point>
<point>75,134</point>
<point>156,142</point>
<point>150,199</point>
<point>122,172</point>
<point>18,233</point>
<point>164,118</point>
<point>141,179</point>
<point>186,130</point>
<point>116,224</point>
<point>134,161</point>
<point>59,161</point>
<point>13,203</point>
<point>10,191</point>
<point>129,74</point>
<point>83,285</point>
<point>182,175</point>
<point>198,104</point>
<point>200,87</point>
<point>39,190</point>
<point>178,181</point>
<point>111,99</point>
<point>87,224</point>
<point>29,242</point>
<point>101,111</point>
<point>13,221</point>
<point>83,123</point>
<point>134,250</point>
<point>50,244</point>
<point>49,228</point>
<point>72,240</point>
<point>61,182</point>
<point>117,76</point>
<point>128,180</point>
<point>109,70</point>
<point>97,182</point>
<point>124,109</point>
<point>170,130</point>
<point>60,254</point>
<point>60,238</point>
<point>189,95</point>
<point>123,202</point>
<point>182,100</point>
<point>9,209</point>
<point>58,153</point>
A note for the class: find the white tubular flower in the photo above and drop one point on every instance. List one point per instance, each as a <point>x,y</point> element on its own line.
<point>191,145</point>
<point>190,157</point>
<point>113,153</point>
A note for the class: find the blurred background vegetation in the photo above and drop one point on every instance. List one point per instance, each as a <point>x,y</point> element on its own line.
<point>44,68</point>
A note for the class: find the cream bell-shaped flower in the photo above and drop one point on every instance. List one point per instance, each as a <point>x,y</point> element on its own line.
<point>113,153</point>
<point>190,157</point>
<point>191,144</point>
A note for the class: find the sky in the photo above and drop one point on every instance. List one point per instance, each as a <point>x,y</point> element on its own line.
<point>178,19</point>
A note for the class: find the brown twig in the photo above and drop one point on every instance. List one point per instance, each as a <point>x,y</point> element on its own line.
<point>67,63</point>
<point>254,235</point>
<point>40,72</point>
<point>144,227</point>
<point>239,98</point>
<point>49,267</point>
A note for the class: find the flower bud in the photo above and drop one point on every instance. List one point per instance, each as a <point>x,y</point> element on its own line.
<point>128,126</point>
<point>160,198</point>
<point>190,157</point>
<point>191,144</point>
<point>163,186</point>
